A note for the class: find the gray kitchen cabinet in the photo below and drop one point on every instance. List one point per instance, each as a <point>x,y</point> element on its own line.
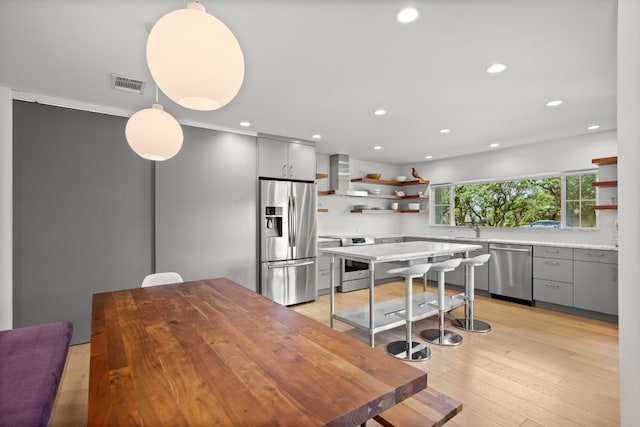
<point>553,275</point>
<point>286,159</point>
<point>323,266</point>
<point>560,270</point>
<point>560,293</point>
<point>595,284</point>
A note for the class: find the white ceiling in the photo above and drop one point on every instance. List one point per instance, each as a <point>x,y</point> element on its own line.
<point>323,66</point>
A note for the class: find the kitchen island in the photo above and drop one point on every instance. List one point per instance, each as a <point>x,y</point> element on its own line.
<point>377,317</point>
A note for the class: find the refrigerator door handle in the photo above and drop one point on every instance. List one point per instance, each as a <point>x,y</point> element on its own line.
<point>299,264</point>
<point>294,226</point>
<point>290,220</point>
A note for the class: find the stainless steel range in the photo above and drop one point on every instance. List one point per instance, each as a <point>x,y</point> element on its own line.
<point>354,275</point>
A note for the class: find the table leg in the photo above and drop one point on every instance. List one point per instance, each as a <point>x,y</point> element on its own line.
<point>331,286</point>
<point>372,283</point>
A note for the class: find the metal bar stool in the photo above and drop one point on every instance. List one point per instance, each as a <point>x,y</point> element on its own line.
<point>469,323</point>
<point>441,336</point>
<point>409,350</point>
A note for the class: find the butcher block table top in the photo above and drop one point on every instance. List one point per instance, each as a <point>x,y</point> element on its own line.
<point>212,352</point>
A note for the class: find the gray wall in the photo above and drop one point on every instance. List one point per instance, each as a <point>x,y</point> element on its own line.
<point>83,210</point>
<point>206,208</point>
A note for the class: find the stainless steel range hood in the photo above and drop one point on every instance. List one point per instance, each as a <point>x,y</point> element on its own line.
<point>339,177</point>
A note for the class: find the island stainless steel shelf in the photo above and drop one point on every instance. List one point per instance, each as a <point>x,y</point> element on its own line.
<point>380,315</point>
<point>391,313</point>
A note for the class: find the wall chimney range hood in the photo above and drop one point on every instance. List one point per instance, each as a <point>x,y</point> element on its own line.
<point>339,177</point>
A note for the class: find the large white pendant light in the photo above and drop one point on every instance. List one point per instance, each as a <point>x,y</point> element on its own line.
<point>154,134</point>
<point>195,59</point>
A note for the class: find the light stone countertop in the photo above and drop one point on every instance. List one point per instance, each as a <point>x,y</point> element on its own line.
<point>520,242</point>
<point>402,251</point>
<point>468,239</point>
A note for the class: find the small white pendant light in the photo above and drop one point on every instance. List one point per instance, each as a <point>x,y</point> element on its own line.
<point>195,59</point>
<point>153,133</point>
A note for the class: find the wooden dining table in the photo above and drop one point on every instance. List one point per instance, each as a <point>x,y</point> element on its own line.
<point>214,353</point>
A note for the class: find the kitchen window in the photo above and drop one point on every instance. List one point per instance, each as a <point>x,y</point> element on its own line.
<point>558,201</point>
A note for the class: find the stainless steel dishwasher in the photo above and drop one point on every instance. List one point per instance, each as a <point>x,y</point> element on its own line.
<point>511,271</point>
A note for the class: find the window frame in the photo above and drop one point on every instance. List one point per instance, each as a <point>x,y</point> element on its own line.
<point>563,195</point>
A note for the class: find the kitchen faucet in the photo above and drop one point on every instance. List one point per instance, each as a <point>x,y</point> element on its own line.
<point>475,228</point>
<point>473,225</point>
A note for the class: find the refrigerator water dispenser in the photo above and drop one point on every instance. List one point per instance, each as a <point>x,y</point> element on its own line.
<point>273,221</point>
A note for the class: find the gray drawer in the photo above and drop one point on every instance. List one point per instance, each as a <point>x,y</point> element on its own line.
<point>334,244</point>
<point>388,240</point>
<point>554,292</point>
<point>553,252</point>
<point>558,270</point>
<point>324,262</point>
<point>595,255</point>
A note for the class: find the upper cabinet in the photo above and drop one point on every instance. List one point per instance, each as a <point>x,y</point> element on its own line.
<point>286,159</point>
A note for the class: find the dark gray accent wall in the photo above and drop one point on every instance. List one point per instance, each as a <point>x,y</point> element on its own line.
<point>83,213</point>
<point>206,208</point>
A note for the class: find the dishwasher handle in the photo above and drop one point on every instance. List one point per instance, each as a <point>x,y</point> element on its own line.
<point>510,249</point>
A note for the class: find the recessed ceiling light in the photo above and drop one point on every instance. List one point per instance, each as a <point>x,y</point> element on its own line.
<point>496,68</point>
<point>316,136</point>
<point>380,112</point>
<point>554,103</point>
<point>377,147</point>
<point>245,124</point>
<point>593,127</point>
<point>428,157</point>
<point>494,145</point>
<point>408,14</point>
<point>445,130</point>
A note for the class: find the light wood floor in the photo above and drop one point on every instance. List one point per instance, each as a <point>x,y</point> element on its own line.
<point>535,368</point>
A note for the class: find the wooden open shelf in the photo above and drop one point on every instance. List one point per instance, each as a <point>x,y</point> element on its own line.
<point>322,175</point>
<point>371,211</point>
<point>605,207</point>
<point>391,182</point>
<point>605,160</point>
<point>605,183</point>
<point>377,196</point>
<point>379,211</point>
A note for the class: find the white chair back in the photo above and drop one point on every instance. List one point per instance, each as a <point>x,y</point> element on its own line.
<point>165,278</point>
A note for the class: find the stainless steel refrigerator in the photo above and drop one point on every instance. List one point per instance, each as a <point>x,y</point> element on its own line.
<point>287,222</point>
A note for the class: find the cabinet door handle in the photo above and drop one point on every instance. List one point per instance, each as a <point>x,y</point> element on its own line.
<point>290,171</point>
<point>614,274</point>
<point>552,263</point>
<point>595,255</point>
<point>284,171</point>
<point>552,251</point>
<point>552,285</point>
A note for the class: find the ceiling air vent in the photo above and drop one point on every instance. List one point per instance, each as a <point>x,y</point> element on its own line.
<point>127,84</point>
